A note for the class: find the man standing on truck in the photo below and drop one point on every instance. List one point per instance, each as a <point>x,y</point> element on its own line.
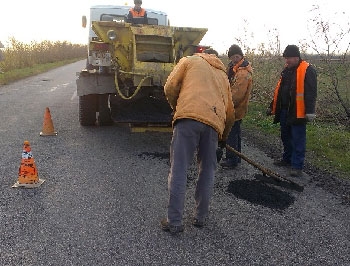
<point>199,93</point>
<point>137,12</point>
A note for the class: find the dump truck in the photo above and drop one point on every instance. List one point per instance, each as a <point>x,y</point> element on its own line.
<point>128,64</point>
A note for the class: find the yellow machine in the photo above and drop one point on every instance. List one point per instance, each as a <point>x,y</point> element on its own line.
<point>127,67</point>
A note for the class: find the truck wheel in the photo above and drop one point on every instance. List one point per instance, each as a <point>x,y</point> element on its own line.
<point>87,110</point>
<point>104,115</point>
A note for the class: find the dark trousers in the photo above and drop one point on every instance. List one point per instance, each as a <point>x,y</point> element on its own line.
<point>191,137</point>
<point>235,141</point>
<point>294,141</point>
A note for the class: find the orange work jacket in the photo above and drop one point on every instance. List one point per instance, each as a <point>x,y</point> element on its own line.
<point>299,97</point>
<point>137,14</point>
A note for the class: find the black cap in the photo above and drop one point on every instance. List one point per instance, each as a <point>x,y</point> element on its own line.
<point>234,49</point>
<point>291,51</point>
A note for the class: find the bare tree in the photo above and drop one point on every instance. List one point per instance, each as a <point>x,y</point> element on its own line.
<point>330,42</point>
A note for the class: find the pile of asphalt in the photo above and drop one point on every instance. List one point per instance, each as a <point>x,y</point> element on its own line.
<point>329,181</point>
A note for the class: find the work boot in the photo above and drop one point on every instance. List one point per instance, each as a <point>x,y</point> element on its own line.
<point>281,163</point>
<point>227,163</point>
<point>197,223</point>
<point>173,229</point>
<point>296,172</point>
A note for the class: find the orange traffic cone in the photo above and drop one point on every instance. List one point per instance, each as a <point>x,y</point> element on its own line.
<point>48,129</point>
<point>28,173</point>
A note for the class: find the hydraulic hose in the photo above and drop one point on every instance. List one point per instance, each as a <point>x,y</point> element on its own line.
<point>135,92</point>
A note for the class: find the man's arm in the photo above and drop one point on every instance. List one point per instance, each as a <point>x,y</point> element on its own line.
<point>241,87</point>
<point>230,115</point>
<point>173,84</point>
<point>145,16</point>
<point>129,17</point>
<point>310,90</point>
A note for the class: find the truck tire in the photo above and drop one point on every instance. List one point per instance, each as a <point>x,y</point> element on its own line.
<point>104,112</point>
<point>87,109</point>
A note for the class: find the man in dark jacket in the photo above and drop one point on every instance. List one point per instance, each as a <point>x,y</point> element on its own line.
<point>293,105</point>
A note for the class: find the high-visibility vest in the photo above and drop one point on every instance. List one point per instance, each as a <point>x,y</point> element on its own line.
<point>299,97</point>
<point>137,14</point>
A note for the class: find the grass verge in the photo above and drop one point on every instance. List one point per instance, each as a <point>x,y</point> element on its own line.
<point>327,145</point>
<point>17,74</point>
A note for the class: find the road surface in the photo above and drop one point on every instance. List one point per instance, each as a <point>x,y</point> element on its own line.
<point>105,192</point>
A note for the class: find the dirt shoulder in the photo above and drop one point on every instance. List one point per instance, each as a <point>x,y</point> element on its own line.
<point>271,146</point>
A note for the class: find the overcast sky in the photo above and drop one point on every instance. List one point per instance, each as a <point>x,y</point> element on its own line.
<point>226,20</point>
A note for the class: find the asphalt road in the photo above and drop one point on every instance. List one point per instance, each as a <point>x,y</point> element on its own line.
<point>105,192</point>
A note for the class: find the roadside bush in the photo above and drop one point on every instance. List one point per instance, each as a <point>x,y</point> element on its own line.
<point>18,55</point>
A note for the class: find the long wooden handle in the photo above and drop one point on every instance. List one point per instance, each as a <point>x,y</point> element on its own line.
<point>266,171</point>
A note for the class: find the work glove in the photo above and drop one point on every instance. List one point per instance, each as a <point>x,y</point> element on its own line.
<point>310,117</point>
<point>220,150</point>
<point>219,154</point>
<point>222,144</point>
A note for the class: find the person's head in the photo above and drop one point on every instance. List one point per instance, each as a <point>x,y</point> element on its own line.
<point>211,51</point>
<point>137,3</point>
<point>235,53</point>
<point>291,55</point>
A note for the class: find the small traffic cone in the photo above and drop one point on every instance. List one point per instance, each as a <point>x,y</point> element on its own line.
<point>28,173</point>
<point>48,129</point>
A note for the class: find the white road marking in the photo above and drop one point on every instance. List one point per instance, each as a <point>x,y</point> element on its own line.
<point>73,96</point>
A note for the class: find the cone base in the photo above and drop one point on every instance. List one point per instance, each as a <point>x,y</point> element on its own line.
<point>37,184</point>
<point>48,134</point>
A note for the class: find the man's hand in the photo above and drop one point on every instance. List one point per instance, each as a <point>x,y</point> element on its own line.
<point>310,117</point>
<point>269,111</point>
<point>219,153</point>
<point>222,144</point>
<point>220,150</point>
